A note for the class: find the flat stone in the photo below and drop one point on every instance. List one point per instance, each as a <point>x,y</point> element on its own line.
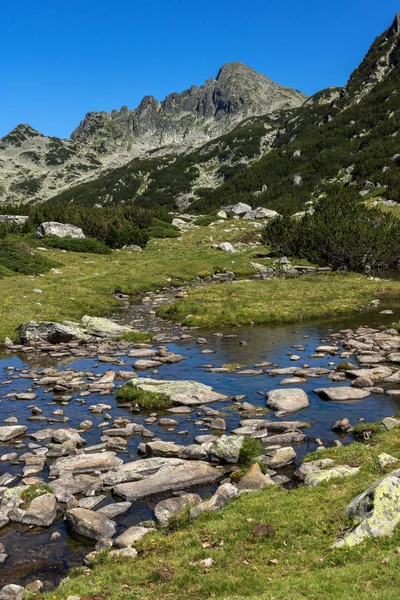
<point>115,510</point>
<point>322,476</point>
<point>131,536</point>
<point>89,524</point>
<point>168,479</point>
<point>188,393</point>
<point>342,394</point>
<point>281,457</point>
<point>85,463</point>
<point>10,432</point>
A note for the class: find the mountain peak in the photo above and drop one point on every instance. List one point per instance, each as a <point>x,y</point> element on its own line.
<point>396,24</point>
<point>20,133</point>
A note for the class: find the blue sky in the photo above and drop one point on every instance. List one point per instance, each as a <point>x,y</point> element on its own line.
<point>63,58</point>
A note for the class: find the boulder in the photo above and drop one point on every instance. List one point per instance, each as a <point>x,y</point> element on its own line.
<point>226,449</point>
<point>136,470</point>
<point>226,247</point>
<point>281,457</point>
<point>224,494</point>
<point>48,331</point>
<point>10,432</point>
<point>260,213</point>
<point>170,449</point>
<point>59,229</point>
<point>183,392</point>
<point>376,512</point>
<point>321,476</point>
<point>85,463</point>
<point>237,209</point>
<point>165,509</point>
<point>89,524</point>
<point>104,327</point>
<point>390,423</point>
<point>168,479</point>
<point>254,479</point>
<point>287,400</point>
<point>42,511</point>
<point>16,219</point>
<point>312,467</point>
<point>342,394</point>
<point>12,592</point>
<point>114,510</point>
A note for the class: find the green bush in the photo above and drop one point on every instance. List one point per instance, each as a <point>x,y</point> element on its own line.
<point>341,233</point>
<point>35,490</point>
<point>17,256</point>
<point>144,399</point>
<point>137,336</point>
<point>251,448</point>
<point>76,245</point>
<point>206,219</point>
<point>160,229</point>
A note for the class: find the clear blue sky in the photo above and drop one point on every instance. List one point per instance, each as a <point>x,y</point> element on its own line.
<point>63,58</point>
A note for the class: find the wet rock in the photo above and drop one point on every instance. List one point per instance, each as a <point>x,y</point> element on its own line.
<point>342,394</point>
<point>132,535</point>
<point>342,425</point>
<point>224,494</point>
<point>218,424</point>
<point>376,511</point>
<point>89,524</point>
<point>254,479</point>
<point>288,400</point>
<point>165,509</point>
<point>10,432</point>
<point>167,479</point>
<point>318,477</point>
<point>85,463</point>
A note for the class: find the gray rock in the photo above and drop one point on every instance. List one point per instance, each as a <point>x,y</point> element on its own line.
<point>322,476</point>
<point>10,432</point>
<point>224,494</point>
<point>89,524</point>
<point>287,400</point>
<point>187,393</point>
<point>85,463</point>
<point>12,592</point>
<point>226,449</point>
<point>165,509</point>
<point>167,479</point>
<point>48,331</point>
<point>342,394</point>
<point>171,450</point>
<point>226,247</point>
<point>254,479</point>
<point>59,229</point>
<point>132,535</point>
<point>115,510</point>
<point>42,511</point>
<point>281,457</point>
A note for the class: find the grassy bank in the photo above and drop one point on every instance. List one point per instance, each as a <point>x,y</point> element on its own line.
<point>87,282</point>
<point>279,300</point>
<point>295,563</point>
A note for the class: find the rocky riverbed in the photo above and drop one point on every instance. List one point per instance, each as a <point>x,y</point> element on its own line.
<point>111,466</point>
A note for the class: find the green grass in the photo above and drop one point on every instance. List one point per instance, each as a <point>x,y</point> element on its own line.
<point>137,336</point>
<point>87,244</point>
<point>279,300</point>
<point>34,491</point>
<point>144,399</point>
<point>297,563</point>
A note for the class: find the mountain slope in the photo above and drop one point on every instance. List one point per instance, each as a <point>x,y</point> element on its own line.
<point>34,167</point>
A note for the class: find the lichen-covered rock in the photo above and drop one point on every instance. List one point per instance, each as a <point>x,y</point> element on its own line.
<point>104,327</point>
<point>385,460</point>
<point>226,449</point>
<point>185,392</point>
<point>59,229</point>
<point>390,423</point>
<point>281,457</point>
<point>312,467</point>
<point>131,535</point>
<point>313,479</point>
<point>48,331</point>
<point>89,524</point>
<point>287,400</point>
<point>376,511</point>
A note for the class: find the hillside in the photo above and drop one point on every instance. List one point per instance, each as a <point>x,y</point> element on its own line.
<point>338,137</point>
<point>34,167</point>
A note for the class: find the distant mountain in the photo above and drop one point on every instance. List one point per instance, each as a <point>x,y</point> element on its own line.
<point>34,167</point>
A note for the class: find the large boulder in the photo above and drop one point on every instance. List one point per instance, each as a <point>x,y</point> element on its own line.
<point>226,449</point>
<point>186,392</point>
<point>48,331</point>
<point>168,479</point>
<point>376,512</point>
<point>15,219</point>
<point>237,209</point>
<point>165,509</point>
<point>101,327</point>
<point>59,229</point>
<point>89,524</point>
<point>42,511</point>
<point>171,450</point>
<point>12,592</point>
<point>260,213</point>
<point>287,400</point>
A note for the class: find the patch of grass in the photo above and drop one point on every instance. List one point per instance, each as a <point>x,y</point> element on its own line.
<point>251,448</point>
<point>279,300</point>
<point>365,431</point>
<point>206,219</point>
<point>34,491</point>
<point>344,366</point>
<point>87,244</point>
<point>18,257</point>
<point>137,336</point>
<point>144,399</point>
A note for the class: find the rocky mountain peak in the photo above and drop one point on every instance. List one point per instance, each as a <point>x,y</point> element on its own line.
<point>20,134</point>
<point>396,24</point>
